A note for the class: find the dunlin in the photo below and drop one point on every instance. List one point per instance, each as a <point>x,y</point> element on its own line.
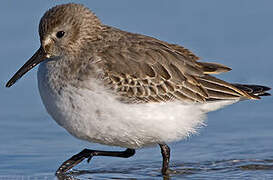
<point>112,87</point>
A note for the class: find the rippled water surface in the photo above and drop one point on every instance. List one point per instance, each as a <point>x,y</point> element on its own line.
<point>237,142</point>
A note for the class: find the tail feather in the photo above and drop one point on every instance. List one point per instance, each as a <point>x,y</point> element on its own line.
<point>256,90</point>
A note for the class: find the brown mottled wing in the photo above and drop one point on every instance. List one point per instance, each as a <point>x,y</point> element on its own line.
<point>148,70</point>
<point>184,51</point>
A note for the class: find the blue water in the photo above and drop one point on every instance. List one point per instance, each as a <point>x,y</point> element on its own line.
<point>237,142</point>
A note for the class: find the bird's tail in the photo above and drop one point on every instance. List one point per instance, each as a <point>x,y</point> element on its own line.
<point>254,90</point>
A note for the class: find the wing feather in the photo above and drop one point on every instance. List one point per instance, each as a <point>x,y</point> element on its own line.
<point>145,69</point>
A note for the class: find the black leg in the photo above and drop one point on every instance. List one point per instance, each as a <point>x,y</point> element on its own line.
<point>165,151</point>
<point>88,153</point>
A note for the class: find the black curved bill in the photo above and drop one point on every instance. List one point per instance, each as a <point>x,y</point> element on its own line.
<point>38,57</point>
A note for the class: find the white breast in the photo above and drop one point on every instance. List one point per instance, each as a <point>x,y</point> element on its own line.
<point>95,115</point>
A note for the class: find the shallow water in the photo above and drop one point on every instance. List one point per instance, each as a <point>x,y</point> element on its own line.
<point>237,142</point>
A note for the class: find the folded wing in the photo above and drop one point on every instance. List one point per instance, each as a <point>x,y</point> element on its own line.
<point>142,69</point>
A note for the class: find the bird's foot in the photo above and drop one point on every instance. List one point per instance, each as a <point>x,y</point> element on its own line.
<point>73,161</point>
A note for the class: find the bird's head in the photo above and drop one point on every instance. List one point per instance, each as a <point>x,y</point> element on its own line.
<point>64,31</point>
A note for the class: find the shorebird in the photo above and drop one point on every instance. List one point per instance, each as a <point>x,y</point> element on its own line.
<point>117,88</point>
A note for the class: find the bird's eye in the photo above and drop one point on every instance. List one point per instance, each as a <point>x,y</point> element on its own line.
<point>60,34</point>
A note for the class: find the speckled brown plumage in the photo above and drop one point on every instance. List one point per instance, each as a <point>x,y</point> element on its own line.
<point>136,67</point>
<point>143,69</point>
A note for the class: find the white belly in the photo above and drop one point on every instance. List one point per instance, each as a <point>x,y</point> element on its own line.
<point>96,116</point>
